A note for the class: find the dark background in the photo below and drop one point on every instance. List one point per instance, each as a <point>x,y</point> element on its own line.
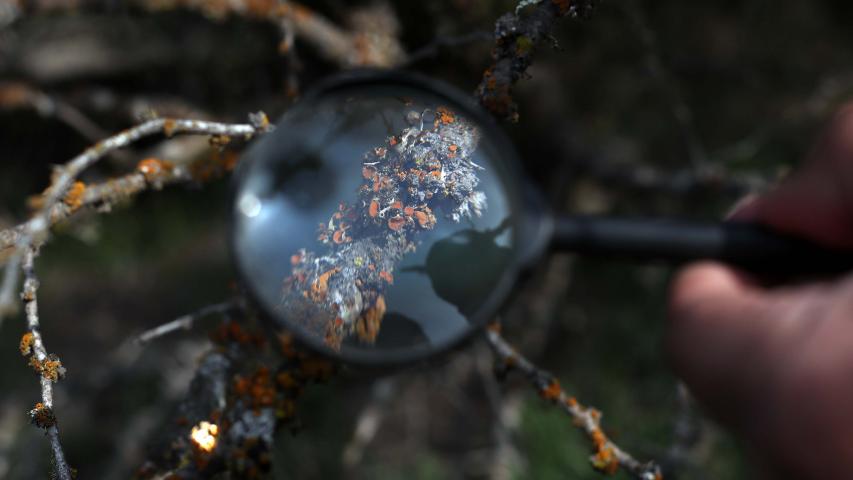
<point>646,107</point>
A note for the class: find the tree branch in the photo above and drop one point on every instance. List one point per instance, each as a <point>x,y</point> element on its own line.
<point>48,366</point>
<point>516,36</point>
<point>608,457</point>
<point>35,231</point>
<point>184,322</point>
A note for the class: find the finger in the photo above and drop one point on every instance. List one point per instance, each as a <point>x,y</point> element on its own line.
<point>816,202</point>
<point>718,324</point>
<point>813,205</point>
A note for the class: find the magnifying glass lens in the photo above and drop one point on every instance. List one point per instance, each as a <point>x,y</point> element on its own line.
<point>375,222</point>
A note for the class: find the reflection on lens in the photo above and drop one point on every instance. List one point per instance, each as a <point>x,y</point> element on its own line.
<point>374,221</point>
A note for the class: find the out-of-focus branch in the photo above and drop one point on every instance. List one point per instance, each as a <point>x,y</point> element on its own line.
<point>18,94</point>
<point>516,36</point>
<point>712,178</point>
<point>242,392</point>
<point>372,39</point>
<point>686,433</point>
<point>431,49</point>
<point>49,367</point>
<point>369,421</point>
<point>608,457</point>
<point>35,231</point>
<point>184,322</point>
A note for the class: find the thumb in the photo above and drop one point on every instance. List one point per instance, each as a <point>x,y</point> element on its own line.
<point>816,202</point>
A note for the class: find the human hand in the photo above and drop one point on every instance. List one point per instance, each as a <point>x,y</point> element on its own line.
<point>775,362</point>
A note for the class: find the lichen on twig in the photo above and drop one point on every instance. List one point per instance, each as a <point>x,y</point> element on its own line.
<point>184,322</point>
<point>607,456</point>
<point>516,36</point>
<point>339,292</point>
<point>243,391</point>
<point>35,231</point>
<point>48,366</point>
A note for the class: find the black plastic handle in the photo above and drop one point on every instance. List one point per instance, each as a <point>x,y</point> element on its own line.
<point>753,247</point>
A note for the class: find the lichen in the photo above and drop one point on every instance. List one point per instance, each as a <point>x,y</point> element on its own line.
<point>338,290</point>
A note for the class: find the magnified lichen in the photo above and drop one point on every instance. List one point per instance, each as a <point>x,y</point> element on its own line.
<point>408,181</point>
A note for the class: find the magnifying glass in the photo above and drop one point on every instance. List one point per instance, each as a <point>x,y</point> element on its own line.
<point>385,220</point>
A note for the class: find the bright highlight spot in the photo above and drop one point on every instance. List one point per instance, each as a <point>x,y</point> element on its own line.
<point>249,205</point>
<point>203,435</point>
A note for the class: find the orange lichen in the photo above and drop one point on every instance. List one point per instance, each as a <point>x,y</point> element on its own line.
<point>233,332</point>
<point>367,326</point>
<point>42,416</point>
<point>286,380</point>
<point>219,141</point>
<point>321,285</point>
<point>422,218</point>
<point>295,259</point>
<point>453,148</point>
<point>50,368</point>
<point>571,402</point>
<point>397,204</point>
<point>552,390</point>
<point>409,211</point>
<point>261,389</point>
<point>368,171</point>
<point>387,276</point>
<point>153,167</point>
<point>445,115</point>
<point>373,210</point>
<point>381,183</point>
<point>396,223</point>
<point>605,460</point>
<point>340,237</point>
<point>241,385</point>
<point>435,173</point>
<point>598,438</point>
<point>26,345</point>
<point>169,127</point>
<point>393,141</point>
<point>74,196</point>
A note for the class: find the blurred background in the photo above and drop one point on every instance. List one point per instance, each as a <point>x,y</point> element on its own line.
<point>645,107</point>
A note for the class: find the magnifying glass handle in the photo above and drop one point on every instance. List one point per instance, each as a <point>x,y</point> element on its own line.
<point>750,246</point>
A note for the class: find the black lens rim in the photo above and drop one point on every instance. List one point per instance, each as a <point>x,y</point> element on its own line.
<point>516,191</point>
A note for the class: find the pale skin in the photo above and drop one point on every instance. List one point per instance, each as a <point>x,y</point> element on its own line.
<point>775,361</point>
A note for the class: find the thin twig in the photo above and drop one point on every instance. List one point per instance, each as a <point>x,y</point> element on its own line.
<point>686,433</point>
<point>103,195</point>
<point>35,231</point>
<point>432,48</point>
<point>43,412</point>
<point>184,322</point>
<point>369,421</point>
<point>608,457</point>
